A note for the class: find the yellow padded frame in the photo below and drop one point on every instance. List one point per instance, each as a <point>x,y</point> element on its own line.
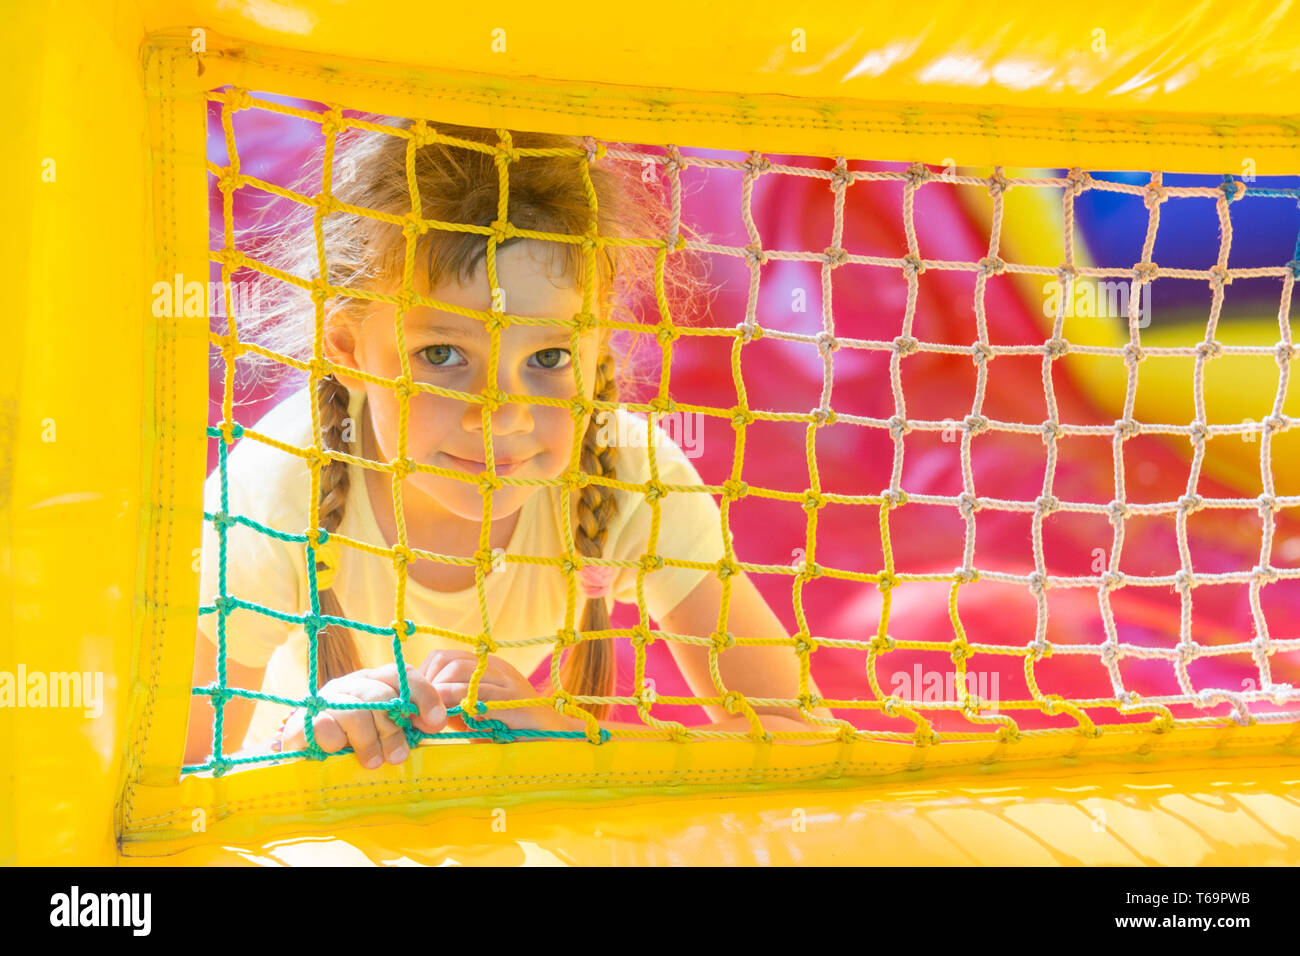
<point>100,525</point>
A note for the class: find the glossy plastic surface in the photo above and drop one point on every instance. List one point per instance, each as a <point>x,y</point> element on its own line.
<point>101,449</point>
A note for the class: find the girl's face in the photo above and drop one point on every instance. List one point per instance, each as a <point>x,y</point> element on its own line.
<point>452,351</point>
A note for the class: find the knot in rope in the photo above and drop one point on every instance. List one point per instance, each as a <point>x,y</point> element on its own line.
<point>655,489</point>
<point>895,498</point>
<point>238,100</point>
<point>1056,347</point>
<point>1154,194</point>
<point>402,556</point>
<point>734,489</point>
<point>1077,181</point>
<point>1127,427</point>
<point>898,427</point>
<point>1277,423</point>
<point>906,345</point>
<point>917,174</point>
<point>1219,276</point>
<point>595,150</point>
<point>882,643</point>
<point>1146,272</point>
<point>652,562</point>
<point>805,645</point>
<point>667,334</point>
<point>840,175</point>
<point>757,163</point>
<point>755,255</point>
<point>332,122</point>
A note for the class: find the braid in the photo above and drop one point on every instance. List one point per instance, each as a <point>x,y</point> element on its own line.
<point>589,669</point>
<point>337,649</point>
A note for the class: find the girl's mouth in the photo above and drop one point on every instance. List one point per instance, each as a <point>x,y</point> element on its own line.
<point>477,467</point>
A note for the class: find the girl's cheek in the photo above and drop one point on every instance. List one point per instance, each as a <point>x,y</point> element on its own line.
<point>557,431</point>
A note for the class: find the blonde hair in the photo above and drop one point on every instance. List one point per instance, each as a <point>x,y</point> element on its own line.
<point>461,184</point>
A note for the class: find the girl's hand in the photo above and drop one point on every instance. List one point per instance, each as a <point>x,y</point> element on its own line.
<point>371,733</point>
<point>450,671</point>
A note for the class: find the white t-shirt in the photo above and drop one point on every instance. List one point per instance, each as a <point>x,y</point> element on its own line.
<point>524,600</point>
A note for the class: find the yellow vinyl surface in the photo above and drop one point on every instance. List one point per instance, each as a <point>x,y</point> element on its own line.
<point>102,414</point>
<point>1231,812</point>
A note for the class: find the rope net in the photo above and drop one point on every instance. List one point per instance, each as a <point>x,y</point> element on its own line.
<point>908,717</point>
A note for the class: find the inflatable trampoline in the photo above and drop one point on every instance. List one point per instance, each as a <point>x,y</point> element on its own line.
<point>969,333</point>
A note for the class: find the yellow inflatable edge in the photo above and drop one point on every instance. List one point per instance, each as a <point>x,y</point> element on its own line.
<point>1235,811</point>
<point>941,133</point>
<point>452,779</point>
<point>101,524</point>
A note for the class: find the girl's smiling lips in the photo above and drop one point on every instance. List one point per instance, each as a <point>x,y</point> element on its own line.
<point>504,466</point>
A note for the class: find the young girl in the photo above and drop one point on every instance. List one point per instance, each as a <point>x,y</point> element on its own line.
<point>358,416</point>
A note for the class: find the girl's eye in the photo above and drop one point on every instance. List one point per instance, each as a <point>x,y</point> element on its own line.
<point>440,355</point>
<point>552,358</point>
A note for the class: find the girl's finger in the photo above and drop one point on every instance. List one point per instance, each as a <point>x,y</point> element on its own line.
<point>381,684</point>
<point>438,659</point>
<point>363,737</point>
<point>460,671</point>
<point>500,670</point>
<point>453,692</point>
<point>392,740</point>
<point>517,718</point>
<point>431,712</point>
<point>329,735</point>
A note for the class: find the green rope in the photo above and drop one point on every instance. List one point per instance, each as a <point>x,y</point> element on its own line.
<point>398,709</point>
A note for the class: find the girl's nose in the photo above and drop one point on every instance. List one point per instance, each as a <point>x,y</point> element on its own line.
<point>510,418</point>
